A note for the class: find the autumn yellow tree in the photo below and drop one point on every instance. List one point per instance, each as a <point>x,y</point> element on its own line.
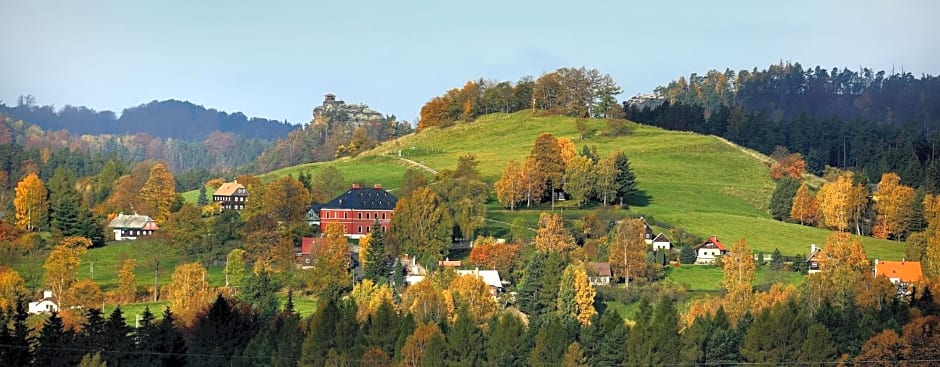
<point>931,259</point>
<point>188,291</point>
<point>159,192</point>
<point>841,202</point>
<point>368,296</point>
<point>567,150</point>
<point>509,187</point>
<point>126,291</point>
<point>739,269</point>
<point>843,263</point>
<point>893,205</point>
<point>533,181</point>
<point>286,200</point>
<point>62,265</point>
<point>580,179</point>
<point>576,295</point>
<point>551,164</point>
<point>472,292</point>
<point>12,287</point>
<point>804,206</point>
<point>606,184</point>
<point>30,202</point>
<point>427,303</point>
<point>364,243</point>
<point>552,235</point>
<point>627,250</point>
<point>330,271</point>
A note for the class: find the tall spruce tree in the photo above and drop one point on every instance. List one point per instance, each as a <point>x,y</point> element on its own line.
<point>781,202</point>
<point>377,268</point>
<point>221,332</point>
<point>465,344</point>
<point>16,339</point>
<point>505,344</point>
<point>626,179</point>
<point>202,200</point>
<point>118,344</point>
<point>56,344</point>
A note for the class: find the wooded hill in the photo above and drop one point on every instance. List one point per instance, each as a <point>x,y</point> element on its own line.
<point>175,119</point>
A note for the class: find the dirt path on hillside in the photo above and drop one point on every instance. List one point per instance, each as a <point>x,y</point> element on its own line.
<point>417,164</point>
<point>756,155</point>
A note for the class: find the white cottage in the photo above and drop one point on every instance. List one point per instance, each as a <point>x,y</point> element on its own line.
<point>129,227</point>
<point>661,242</point>
<point>48,303</point>
<point>709,251</point>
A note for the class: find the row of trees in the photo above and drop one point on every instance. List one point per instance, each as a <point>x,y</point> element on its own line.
<point>552,167</point>
<point>578,92</point>
<point>842,314</point>
<point>843,203</point>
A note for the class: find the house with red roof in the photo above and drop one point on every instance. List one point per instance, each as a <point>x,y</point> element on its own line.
<point>901,273</point>
<point>707,252</point>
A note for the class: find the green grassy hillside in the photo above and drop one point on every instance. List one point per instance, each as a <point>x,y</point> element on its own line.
<point>701,183</point>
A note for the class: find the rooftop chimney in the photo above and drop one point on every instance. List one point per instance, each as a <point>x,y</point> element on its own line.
<point>378,186</point>
<point>355,186</point>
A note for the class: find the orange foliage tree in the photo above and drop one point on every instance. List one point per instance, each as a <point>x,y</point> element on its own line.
<point>791,165</point>
<point>159,192</point>
<point>413,350</point>
<point>331,263</point>
<point>552,235</point>
<point>488,254</point>
<point>804,206</point>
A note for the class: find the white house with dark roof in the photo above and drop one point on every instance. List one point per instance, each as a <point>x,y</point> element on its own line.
<point>129,227</point>
<point>661,242</point>
<point>490,277</point>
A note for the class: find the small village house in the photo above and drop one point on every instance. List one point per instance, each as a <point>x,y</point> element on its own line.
<point>358,209</point>
<point>647,232</point>
<point>812,261</point>
<point>709,251</point>
<point>48,303</point>
<point>231,195</point>
<point>490,277</point>
<point>661,242</point>
<point>599,273</point>
<point>902,273</point>
<point>129,227</point>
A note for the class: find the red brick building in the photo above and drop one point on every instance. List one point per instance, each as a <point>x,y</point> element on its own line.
<point>358,209</point>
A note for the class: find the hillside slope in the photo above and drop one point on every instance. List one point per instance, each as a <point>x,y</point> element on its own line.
<point>698,182</point>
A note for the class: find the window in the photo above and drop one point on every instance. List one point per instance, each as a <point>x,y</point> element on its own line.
<point>360,215</point>
<point>360,230</point>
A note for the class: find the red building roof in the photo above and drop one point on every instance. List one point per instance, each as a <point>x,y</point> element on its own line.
<point>309,245</point>
<point>905,271</point>
<point>713,240</point>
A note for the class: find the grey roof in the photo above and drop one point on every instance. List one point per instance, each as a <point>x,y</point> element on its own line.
<point>130,221</point>
<point>364,198</point>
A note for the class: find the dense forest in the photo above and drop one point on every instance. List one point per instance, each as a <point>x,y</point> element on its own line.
<point>28,146</point>
<point>181,120</point>
<point>871,122</point>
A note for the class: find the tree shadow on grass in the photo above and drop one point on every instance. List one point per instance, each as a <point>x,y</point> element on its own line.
<point>640,198</point>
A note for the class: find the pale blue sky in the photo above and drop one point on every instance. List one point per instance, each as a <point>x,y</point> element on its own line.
<point>276,59</point>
